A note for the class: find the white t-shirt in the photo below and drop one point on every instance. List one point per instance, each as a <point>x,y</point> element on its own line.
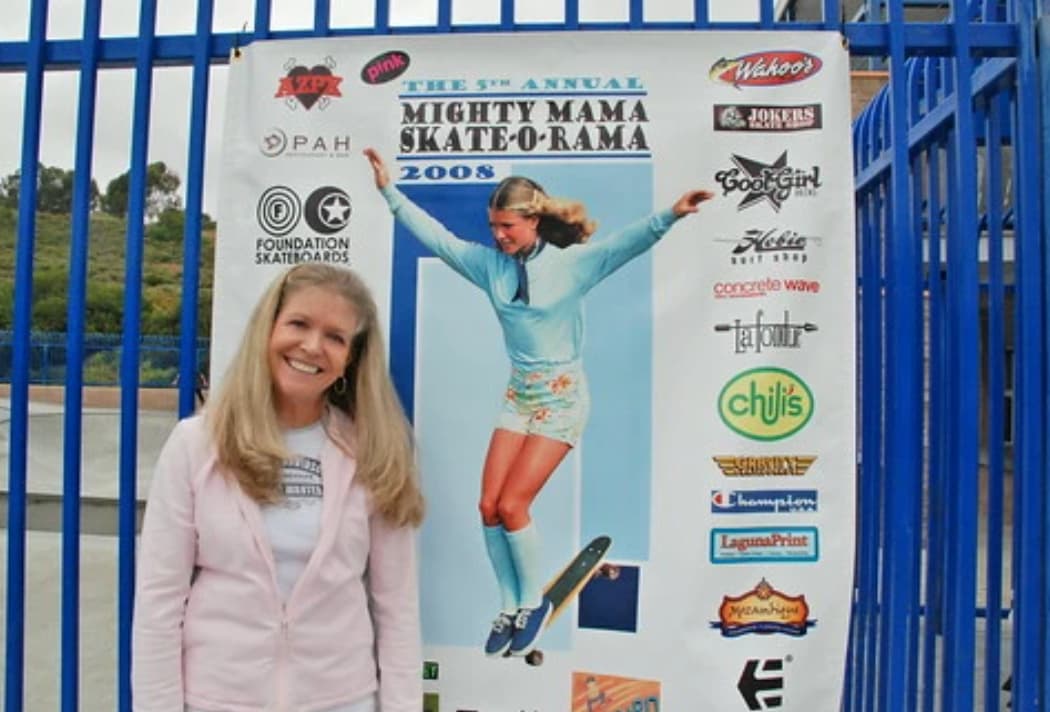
<point>294,524</point>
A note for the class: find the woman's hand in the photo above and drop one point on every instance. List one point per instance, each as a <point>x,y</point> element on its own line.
<point>690,201</point>
<point>382,177</point>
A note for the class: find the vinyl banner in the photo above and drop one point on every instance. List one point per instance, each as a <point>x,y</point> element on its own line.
<point>711,485</point>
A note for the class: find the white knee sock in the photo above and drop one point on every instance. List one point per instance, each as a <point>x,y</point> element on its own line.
<point>525,553</point>
<point>503,565</point>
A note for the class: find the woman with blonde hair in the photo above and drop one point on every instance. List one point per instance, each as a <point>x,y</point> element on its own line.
<point>537,293</point>
<point>277,560</point>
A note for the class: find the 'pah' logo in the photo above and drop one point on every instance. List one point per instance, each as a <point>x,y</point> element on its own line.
<point>308,85</point>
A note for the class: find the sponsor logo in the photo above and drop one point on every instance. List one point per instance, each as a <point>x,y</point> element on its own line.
<point>758,335</point>
<point>327,210</point>
<point>763,501</point>
<point>431,703</point>
<point>384,68</point>
<point>764,117</point>
<point>592,692</point>
<point>308,86</point>
<point>763,610</point>
<point>745,289</point>
<point>781,246</point>
<point>276,142</point>
<point>772,183</point>
<point>765,69</point>
<point>280,211</point>
<point>765,403</point>
<point>764,465</point>
<point>761,683</point>
<point>430,670</point>
<point>769,544</point>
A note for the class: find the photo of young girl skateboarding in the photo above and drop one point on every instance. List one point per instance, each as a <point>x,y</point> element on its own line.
<point>536,278</point>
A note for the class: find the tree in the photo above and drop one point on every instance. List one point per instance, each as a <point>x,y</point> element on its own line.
<point>162,192</point>
<point>54,190</point>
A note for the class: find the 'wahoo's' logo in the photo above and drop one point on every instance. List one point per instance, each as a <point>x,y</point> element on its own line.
<point>764,69</point>
<point>766,404</point>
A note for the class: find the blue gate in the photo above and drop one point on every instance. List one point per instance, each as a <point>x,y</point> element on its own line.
<point>951,589</point>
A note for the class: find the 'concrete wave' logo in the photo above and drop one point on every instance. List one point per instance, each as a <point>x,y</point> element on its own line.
<point>766,404</point>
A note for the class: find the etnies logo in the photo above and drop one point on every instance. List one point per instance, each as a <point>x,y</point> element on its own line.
<point>766,404</point>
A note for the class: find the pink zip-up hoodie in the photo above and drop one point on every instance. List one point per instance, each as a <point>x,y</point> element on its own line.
<point>210,629</point>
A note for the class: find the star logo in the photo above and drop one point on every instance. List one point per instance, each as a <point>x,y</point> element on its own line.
<point>772,183</point>
<point>763,174</point>
<point>327,210</point>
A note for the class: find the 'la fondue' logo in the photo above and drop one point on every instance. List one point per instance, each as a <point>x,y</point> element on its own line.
<point>766,403</point>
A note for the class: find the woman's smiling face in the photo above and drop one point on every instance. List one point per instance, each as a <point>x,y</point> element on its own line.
<point>309,349</point>
<point>513,231</point>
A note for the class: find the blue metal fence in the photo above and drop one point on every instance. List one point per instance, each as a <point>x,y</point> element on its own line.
<point>952,296</point>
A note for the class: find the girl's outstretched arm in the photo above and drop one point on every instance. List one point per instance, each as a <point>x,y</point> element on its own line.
<point>472,260</point>
<point>604,255</point>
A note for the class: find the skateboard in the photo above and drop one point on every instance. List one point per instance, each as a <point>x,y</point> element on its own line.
<point>563,588</point>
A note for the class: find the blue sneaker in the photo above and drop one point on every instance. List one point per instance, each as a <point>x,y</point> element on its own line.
<point>500,636</point>
<point>528,625</point>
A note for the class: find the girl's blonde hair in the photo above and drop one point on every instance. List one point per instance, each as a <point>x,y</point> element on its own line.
<point>243,418</point>
<point>562,222</point>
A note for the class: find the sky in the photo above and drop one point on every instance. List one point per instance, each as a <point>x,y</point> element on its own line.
<point>169,128</point>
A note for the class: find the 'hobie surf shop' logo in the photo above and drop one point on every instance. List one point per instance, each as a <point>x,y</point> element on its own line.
<point>766,404</point>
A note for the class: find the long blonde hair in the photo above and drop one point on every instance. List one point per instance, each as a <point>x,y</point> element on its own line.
<point>243,419</point>
<point>561,222</point>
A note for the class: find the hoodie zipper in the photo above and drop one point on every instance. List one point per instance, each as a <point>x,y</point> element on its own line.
<point>282,662</point>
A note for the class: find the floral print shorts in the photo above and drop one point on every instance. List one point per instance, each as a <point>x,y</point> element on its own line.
<point>552,401</point>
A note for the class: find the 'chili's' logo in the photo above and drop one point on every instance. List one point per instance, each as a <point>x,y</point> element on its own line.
<point>766,404</point>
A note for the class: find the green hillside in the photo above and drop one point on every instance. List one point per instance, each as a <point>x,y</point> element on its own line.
<point>161,273</point>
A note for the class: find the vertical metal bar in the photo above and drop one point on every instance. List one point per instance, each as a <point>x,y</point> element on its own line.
<point>322,17</point>
<point>938,404</point>
<point>996,344</point>
<point>963,307</point>
<point>766,14</point>
<point>194,198</point>
<point>74,381</point>
<point>382,22</point>
<point>636,17</point>
<point>1031,494</point>
<point>262,18</point>
<point>20,353</point>
<point>129,352</point>
<point>701,13</point>
<point>902,473</point>
<point>832,10</point>
<point>572,14</point>
<point>444,16</point>
<point>871,407</point>
<point>918,200</point>
<point>506,15</point>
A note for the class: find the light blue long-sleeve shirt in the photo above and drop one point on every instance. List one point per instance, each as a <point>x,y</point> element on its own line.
<point>549,329</point>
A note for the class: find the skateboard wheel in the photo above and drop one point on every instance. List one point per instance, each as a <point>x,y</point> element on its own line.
<point>610,571</point>
<point>534,658</point>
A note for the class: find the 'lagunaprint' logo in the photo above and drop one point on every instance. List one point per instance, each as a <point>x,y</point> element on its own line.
<point>745,545</point>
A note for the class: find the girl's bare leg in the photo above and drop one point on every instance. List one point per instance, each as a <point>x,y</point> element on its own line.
<point>504,447</point>
<point>535,462</point>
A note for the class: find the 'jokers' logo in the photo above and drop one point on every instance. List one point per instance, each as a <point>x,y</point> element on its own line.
<point>308,85</point>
